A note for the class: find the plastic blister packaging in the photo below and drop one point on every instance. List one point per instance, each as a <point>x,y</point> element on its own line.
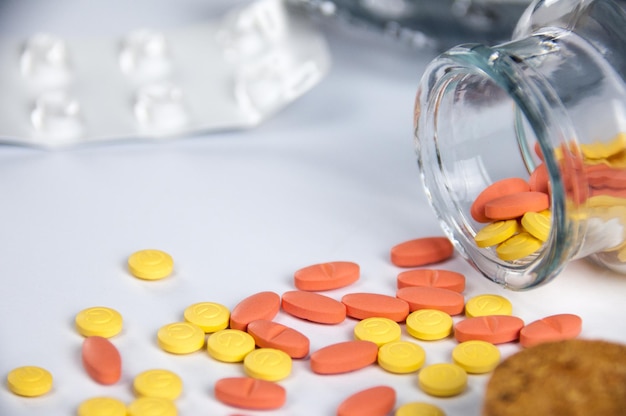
<point>229,73</point>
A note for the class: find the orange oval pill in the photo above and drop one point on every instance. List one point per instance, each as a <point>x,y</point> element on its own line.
<point>344,357</point>
<point>375,401</point>
<point>493,191</point>
<point>370,305</point>
<point>270,334</point>
<point>262,305</point>
<point>423,297</point>
<point>250,393</point>
<point>539,180</point>
<point>313,307</point>
<point>443,279</point>
<point>421,251</point>
<point>551,328</point>
<point>101,360</point>
<point>515,205</point>
<point>496,329</point>
<point>327,276</point>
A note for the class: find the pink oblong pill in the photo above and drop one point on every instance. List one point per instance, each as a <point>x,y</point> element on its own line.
<point>262,305</point>
<point>250,393</point>
<point>375,401</point>
<point>313,307</point>
<point>369,305</point>
<point>496,329</point>
<point>443,279</point>
<point>344,357</point>
<point>422,297</point>
<point>327,276</point>
<point>551,328</point>
<point>270,334</point>
<point>421,251</point>
<point>101,360</point>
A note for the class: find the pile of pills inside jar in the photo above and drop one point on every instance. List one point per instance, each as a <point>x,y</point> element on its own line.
<point>518,210</point>
<point>426,305</point>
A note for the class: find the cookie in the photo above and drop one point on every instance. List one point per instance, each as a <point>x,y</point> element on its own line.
<point>574,378</point>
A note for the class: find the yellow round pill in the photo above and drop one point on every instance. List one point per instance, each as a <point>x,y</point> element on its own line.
<point>180,338</point>
<point>158,383</point>
<point>476,357</point>
<point>401,357</point>
<point>102,406</point>
<point>419,409</point>
<point>267,364</point>
<point>98,321</point>
<point>429,324</point>
<point>150,264</point>
<point>495,233</point>
<point>486,305</point>
<point>152,406</point>
<point>209,316</point>
<point>443,380</point>
<point>29,381</point>
<point>518,247</point>
<point>230,345</point>
<point>537,225</point>
<point>377,330</point>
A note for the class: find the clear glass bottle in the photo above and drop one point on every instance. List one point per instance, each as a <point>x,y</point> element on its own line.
<point>553,99</point>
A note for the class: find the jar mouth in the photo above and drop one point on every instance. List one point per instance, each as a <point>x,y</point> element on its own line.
<point>477,110</point>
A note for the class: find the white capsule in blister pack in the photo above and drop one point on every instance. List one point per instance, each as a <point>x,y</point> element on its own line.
<point>231,73</point>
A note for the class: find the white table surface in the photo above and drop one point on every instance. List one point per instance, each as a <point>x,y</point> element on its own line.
<point>332,177</point>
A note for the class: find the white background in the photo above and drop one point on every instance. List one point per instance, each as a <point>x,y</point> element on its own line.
<point>332,177</point>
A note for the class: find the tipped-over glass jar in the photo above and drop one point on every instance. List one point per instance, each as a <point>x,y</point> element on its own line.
<point>548,107</point>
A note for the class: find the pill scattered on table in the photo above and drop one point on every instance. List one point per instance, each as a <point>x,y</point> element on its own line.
<point>150,264</point>
<point>344,357</point>
<point>419,409</point>
<point>209,316</point>
<point>267,364</point>
<point>444,300</point>
<point>496,329</point>
<point>327,276</point>
<point>250,393</point>
<point>314,307</point>
<point>441,278</point>
<point>99,321</point>
<point>270,334</point>
<point>148,406</point>
<point>476,357</point>
<point>551,328</point>
<point>262,305</point>
<point>443,379</point>
<point>378,330</point>
<point>101,360</point>
<point>29,381</point>
<point>374,401</point>
<point>429,324</point>
<point>401,357</point>
<point>488,304</point>
<point>371,305</point>
<point>180,338</point>
<point>421,251</point>
<point>158,383</point>
<point>102,406</point>
<point>230,345</point>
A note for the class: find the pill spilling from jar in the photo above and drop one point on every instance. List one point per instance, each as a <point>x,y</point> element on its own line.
<point>522,146</point>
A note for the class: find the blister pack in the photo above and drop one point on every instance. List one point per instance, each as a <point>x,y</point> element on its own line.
<point>230,73</point>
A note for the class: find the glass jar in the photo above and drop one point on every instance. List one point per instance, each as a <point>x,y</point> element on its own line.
<point>548,107</point>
